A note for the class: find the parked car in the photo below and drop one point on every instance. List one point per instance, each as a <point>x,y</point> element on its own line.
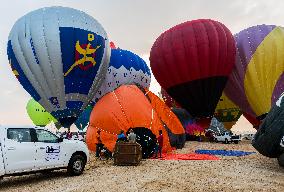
<point>31,149</point>
<point>248,136</point>
<point>227,137</point>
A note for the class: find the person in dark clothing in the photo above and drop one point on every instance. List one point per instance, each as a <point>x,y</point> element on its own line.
<point>156,149</point>
<point>160,141</point>
<point>121,136</point>
<point>99,145</point>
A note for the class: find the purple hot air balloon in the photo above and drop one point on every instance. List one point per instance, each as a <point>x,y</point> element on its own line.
<point>257,79</point>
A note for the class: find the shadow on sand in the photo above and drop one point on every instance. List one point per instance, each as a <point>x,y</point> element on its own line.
<point>19,181</point>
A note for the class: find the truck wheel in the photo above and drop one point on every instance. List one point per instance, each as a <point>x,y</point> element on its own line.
<point>226,141</point>
<point>76,165</point>
<point>216,140</point>
<point>236,142</point>
<point>281,160</point>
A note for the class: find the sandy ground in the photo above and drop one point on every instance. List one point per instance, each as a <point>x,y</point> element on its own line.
<point>249,173</point>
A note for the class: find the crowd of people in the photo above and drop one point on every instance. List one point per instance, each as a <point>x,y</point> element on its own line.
<point>72,135</point>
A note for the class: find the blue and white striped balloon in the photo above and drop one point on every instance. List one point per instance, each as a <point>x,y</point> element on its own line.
<point>60,56</point>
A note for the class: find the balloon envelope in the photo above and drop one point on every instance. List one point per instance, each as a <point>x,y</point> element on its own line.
<point>125,68</point>
<point>257,79</point>
<point>60,56</point>
<point>227,112</point>
<point>38,115</point>
<point>192,61</point>
<point>271,131</point>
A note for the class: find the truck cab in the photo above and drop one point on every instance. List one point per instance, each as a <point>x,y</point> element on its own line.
<point>31,149</point>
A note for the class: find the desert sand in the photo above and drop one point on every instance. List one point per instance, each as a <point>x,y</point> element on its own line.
<point>248,173</point>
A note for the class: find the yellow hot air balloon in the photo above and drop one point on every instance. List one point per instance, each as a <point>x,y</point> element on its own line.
<point>227,112</point>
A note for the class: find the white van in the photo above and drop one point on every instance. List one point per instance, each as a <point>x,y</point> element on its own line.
<point>31,149</point>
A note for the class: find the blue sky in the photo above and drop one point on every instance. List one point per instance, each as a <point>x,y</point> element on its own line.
<point>131,24</point>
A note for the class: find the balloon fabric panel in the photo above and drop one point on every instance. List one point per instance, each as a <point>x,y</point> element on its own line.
<point>89,49</point>
<point>19,73</point>
<point>266,66</point>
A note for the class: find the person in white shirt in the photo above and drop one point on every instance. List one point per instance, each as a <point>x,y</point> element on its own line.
<point>131,136</point>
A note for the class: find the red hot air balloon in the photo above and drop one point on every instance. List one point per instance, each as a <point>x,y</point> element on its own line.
<point>192,61</point>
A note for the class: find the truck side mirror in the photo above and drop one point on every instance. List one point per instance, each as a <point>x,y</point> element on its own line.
<point>60,139</point>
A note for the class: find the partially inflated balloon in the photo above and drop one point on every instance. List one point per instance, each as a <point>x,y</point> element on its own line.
<point>60,56</point>
<point>227,112</point>
<point>38,115</point>
<point>268,138</point>
<point>125,68</point>
<point>192,61</point>
<point>258,77</point>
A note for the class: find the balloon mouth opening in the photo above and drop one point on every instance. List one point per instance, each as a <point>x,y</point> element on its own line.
<point>146,139</point>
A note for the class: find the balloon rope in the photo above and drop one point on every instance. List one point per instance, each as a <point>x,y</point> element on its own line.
<point>122,109</point>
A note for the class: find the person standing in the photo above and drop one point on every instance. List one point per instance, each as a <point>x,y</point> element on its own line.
<point>160,141</point>
<point>131,136</point>
<point>121,136</point>
<point>99,144</point>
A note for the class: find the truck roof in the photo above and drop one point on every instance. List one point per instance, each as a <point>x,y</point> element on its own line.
<point>20,126</point>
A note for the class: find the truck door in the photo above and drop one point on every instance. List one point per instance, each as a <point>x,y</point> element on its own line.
<point>19,151</point>
<point>49,150</point>
<point>2,167</point>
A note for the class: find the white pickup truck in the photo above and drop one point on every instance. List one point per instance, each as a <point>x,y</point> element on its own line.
<point>32,149</point>
<point>226,137</point>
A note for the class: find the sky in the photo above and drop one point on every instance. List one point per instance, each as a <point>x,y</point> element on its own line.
<point>133,25</point>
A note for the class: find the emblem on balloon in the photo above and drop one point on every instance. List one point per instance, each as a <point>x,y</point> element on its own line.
<point>85,55</point>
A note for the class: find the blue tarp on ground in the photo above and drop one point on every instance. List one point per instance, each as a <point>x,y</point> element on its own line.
<point>223,152</point>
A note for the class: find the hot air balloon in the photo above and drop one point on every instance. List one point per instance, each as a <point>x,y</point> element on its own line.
<point>125,68</point>
<point>60,56</point>
<point>127,107</point>
<point>192,61</point>
<point>38,115</point>
<point>268,138</point>
<point>227,112</point>
<point>257,79</point>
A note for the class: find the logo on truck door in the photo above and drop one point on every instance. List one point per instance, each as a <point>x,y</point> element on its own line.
<point>52,153</point>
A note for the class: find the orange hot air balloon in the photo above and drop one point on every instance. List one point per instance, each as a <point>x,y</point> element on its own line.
<point>128,107</point>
